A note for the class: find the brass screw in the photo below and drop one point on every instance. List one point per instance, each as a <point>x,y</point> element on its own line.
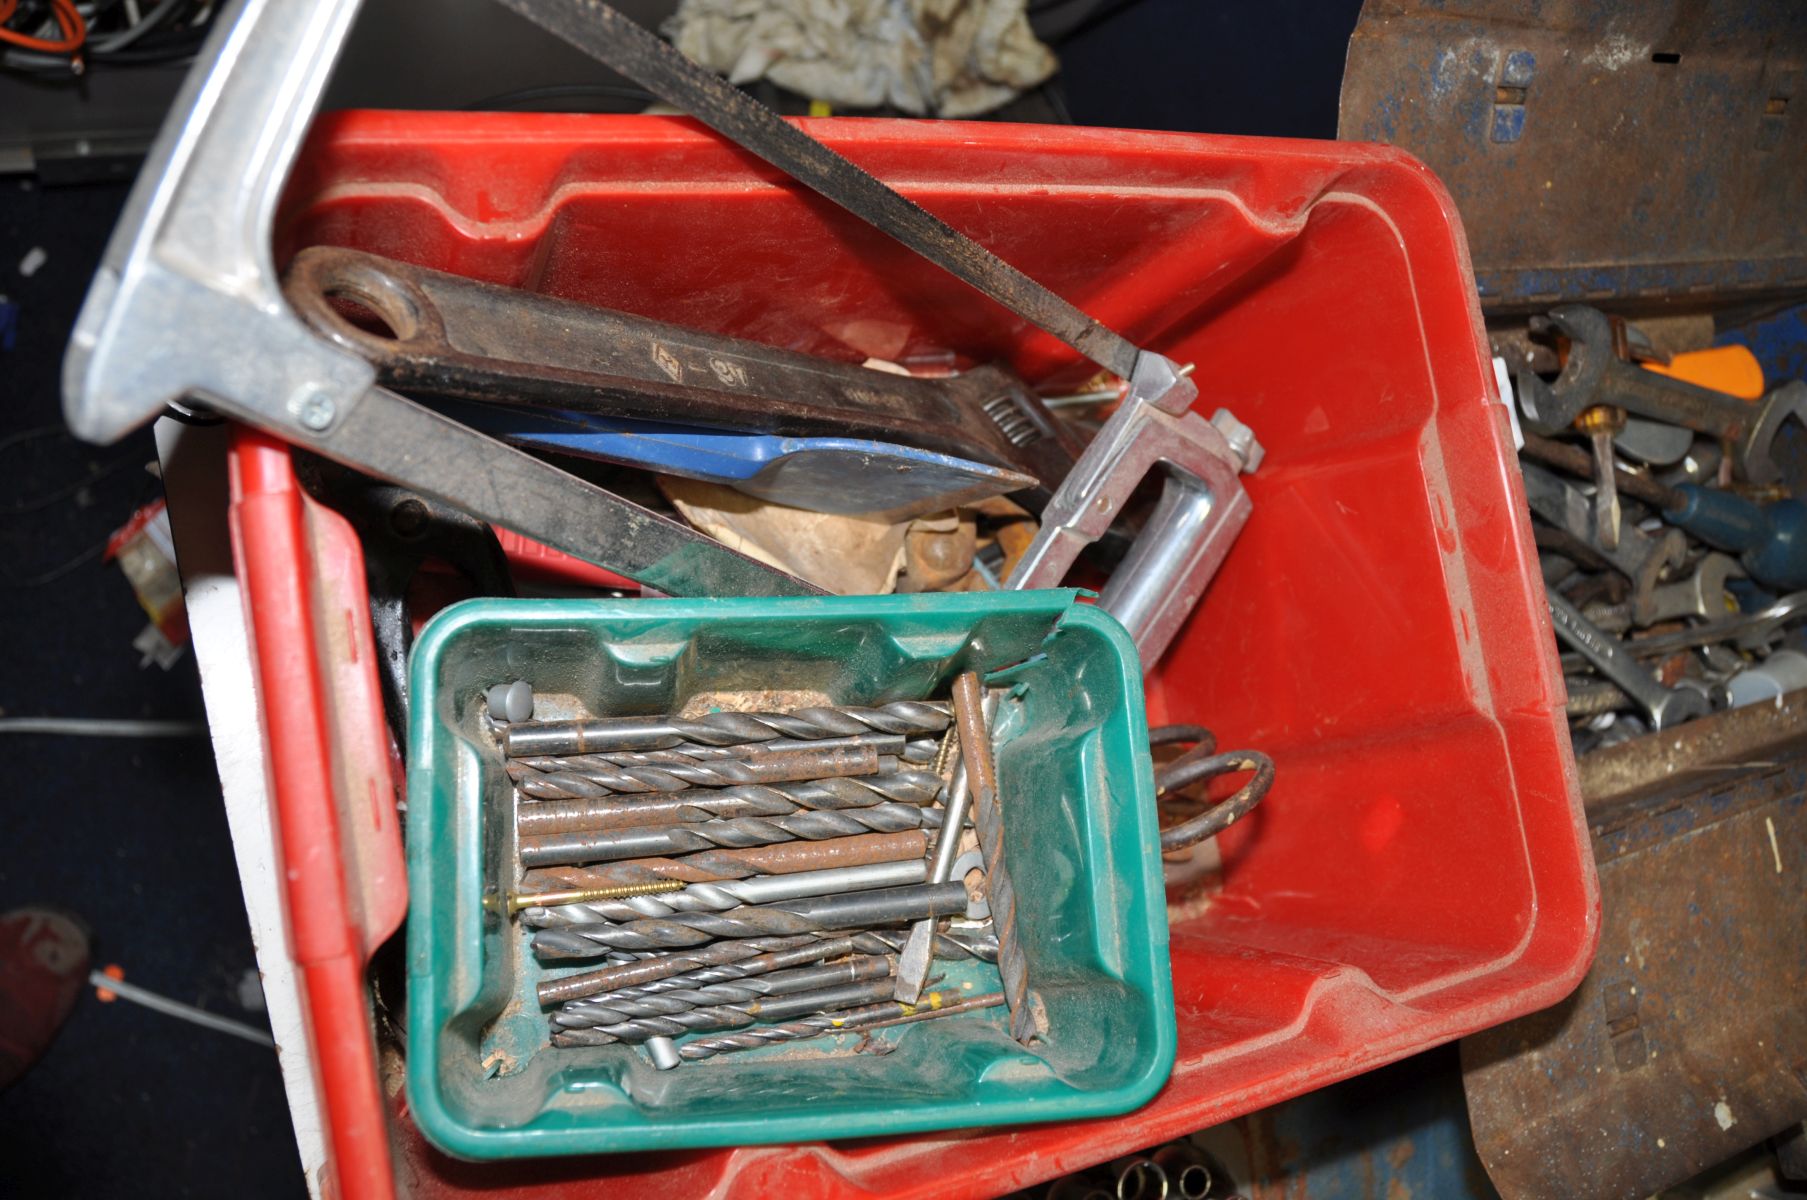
<point>1600,418</point>
<point>519,900</point>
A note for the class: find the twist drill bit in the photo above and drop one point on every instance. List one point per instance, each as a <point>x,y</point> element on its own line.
<point>720,897</point>
<point>719,1006</point>
<point>988,820</point>
<point>908,717</point>
<point>934,1004</point>
<point>777,1008</point>
<point>888,817</point>
<point>715,963</point>
<point>888,745</point>
<point>851,910</point>
<point>782,858</point>
<point>955,945</point>
<point>724,803</point>
<point>592,776</point>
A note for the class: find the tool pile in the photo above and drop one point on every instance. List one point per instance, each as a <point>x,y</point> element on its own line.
<point>746,879</point>
<point>1671,547</point>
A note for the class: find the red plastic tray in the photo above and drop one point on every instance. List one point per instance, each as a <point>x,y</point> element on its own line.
<point>1421,869</point>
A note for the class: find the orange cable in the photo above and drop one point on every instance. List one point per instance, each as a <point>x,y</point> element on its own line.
<point>75,29</point>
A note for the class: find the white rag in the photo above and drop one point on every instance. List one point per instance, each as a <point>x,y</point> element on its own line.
<point>945,58</point>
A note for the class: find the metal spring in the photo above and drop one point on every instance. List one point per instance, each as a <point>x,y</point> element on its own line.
<point>1012,420</point>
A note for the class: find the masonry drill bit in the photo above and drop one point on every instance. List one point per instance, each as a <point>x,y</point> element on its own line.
<point>851,1020</point>
<point>781,858</point>
<point>988,819</point>
<point>592,776</point>
<point>778,1008</point>
<point>720,897</point>
<point>908,717</point>
<point>717,962</point>
<point>719,1006</point>
<point>849,910</point>
<point>653,841</point>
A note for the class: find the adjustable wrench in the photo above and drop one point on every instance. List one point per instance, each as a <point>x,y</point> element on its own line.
<point>1665,706</point>
<point>458,338</point>
<point>1640,557</point>
<point>1595,375</point>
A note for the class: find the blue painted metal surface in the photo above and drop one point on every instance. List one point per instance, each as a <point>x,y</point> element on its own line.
<point>829,475</point>
<point>1638,155</point>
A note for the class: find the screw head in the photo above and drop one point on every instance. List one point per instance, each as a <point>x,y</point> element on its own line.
<point>313,407</point>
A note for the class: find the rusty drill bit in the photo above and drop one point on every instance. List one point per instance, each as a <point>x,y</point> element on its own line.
<point>889,817</point>
<point>988,820</point>
<point>782,858</point>
<point>888,1012</point>
<point>848,910</point>
<point>893,745</point>
<point>724,803</point>
<point>719,1006</point>
<point>592,776</point>
<point>779,1008</point>
<point>907,717</point>
<point>720,897</point>
<point>752,956</point>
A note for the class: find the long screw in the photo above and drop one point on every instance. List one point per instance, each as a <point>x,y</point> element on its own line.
<point>575,897</point>
<point>720,897</point>
<point>908,717</point>
<point>724,803</point>
<point>752,956</point>
<point>782,858</point>
<point>720,1006</point>
<point>849,910</point>
<point>888,817</point>
<point>934,1004</point>
<point>591,776</point>
<point>779,1008</point>
<point>988,820</point>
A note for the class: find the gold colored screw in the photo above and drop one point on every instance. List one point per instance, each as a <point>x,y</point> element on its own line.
<point>519,900</point>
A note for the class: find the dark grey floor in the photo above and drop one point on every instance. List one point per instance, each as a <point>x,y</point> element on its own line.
<point>128,834</point>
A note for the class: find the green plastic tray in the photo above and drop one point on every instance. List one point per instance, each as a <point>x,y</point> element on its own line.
<point>1079,791</point>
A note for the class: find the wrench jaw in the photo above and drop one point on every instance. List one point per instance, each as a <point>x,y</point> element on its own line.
<point>1552,408</point>
<point>1756,453</point>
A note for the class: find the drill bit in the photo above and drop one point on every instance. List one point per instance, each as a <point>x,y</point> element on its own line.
<point>727,960</point>
<point>720,728</point>
<point>913,964</point>
<point>778,1008</point>
<point>720,897</point>
<point>988,819</point>
<point>959,944</point>
<point>782,858</point>
<point>888,817</point>
<point>723,803</point>
<point>591,776</point>
<point>934,1004</point>
<point>890,745</point>
<point>848,910</point>
<point>718,1006</point>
